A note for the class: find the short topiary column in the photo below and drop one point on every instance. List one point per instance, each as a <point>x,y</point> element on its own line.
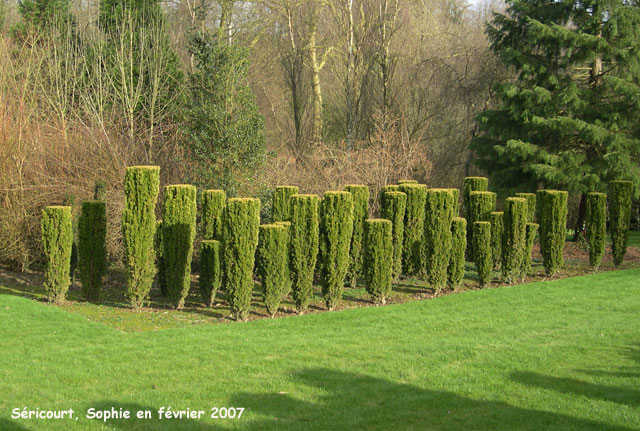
<point>378,258</point>
<point>57,239</point>
<point>393,208</point>
<point>273,245</point>
<point>552,217</point>
<point>436,244</point>
<point>513,240</point>
<point>531,205</point>
<point>178,232</point>
<point>336,226</point>
<point>480,206</point>
<point>458,249</point>
<point>620,194</point>
<point>596,223</point>
<point>141,187</point>
<point>240,239</point>
<point>213,202</point>
<point>472,184</point>
<point>496,219</point>
<point>531,230</point>
<point>280,207</point>
<point>413,227</point>
<point>92,251</point>
<point>210,270</point>
<point>482,254</point>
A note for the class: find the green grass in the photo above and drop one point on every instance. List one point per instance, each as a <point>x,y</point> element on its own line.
<point>559,355</point>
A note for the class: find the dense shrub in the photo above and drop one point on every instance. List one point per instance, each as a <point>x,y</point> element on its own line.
<point>480,206</point>
<point>393,208</point>
<point>178,232</point>
<point>387,188</point>
<point>458,249</point>
<point>336,226</point>
<point>213,202</point>
<point>303,248</point>
<point>513,240</point>
<point>280,206</point>
<point>240,239</point>
<point>620,194</point>
<point>287,258</point>
<point>552,217</point>
<point>141,186</point>
<point>159,249</point>
<point>57,238</point>
<point>99,190</point>
<point>413,227</point>
<point>92,252</point>
<point>271,262</point>
<point>596,223</point>
<point>531,230</point>
<point>472,184</point>
<point>436,245</point>
<point>400,182</point>
<point>482,253</point>
<point>210,270</point>
<point>378,258</point>
<point>496,219</point>
<point>456,201</point>
<point>360,197</point>
<point>531,205</point>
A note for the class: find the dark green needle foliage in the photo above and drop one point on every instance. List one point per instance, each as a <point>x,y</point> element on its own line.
<point>360,196</point>
<point>482,254</point>
<point>531,205</point>
<point>596,222</point>
<point>531,230</point>
<point>458,249</point>
<point>552,217</point>
<point>213,202</point>
<point>496,219</point>
<point>280,206</point>
<point>413,227</point>
<point>92,251</point>
<point>57,238</point>
<point>514,238</point>
<point>378,258</point>
<point>436,245</point>
<point>480,206</point>
<point>620,195</point>
<point>303,247</point>
<point>273,245</point>
<point>472,184</point>
<point>210,270</point>
<point>393,208</point>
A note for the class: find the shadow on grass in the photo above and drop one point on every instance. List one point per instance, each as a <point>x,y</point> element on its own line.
<point>9,425</point>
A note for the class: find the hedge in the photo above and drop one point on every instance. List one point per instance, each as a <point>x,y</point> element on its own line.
<point>393,209</point>
<point>596,224</point>
<point>159,249</point>
<point>213,202</point>
<point>336,227</point>
<point>287,267</point>
<point>240,239</point>
<point>513,240</point>
<point>531,230</point>
<point>456,200</point>
<point>378,258</point>
<point>413,227</point>
<point>531,205</point>
<point>360,196</point>
<point>57,239</point>
<point>271,262</point>
<point>496,219</point>
<point>620,194</point>
<point>210,270</point>
<point>552,217</point>
<point>92,251</point>
<point>141,186</point>
<point>387,188</point>
<point>303,251</point>
<point>480,206</point>
<point>455,270</point>
<point>280,206</point>
<point>482,253</point>
<point>179,212</point>
<point>436,246</point>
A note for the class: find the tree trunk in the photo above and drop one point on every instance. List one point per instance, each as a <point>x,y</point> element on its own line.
<point>315,69</point>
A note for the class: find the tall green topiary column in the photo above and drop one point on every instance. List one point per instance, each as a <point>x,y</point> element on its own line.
<point>141,186</point>
<point>596,222</point>
<point>303,247</point>
<point>531,230</point>
<point>482,254</point>
<point>378,258</point>
<point>480,206</point>
<point>436,244</point>
<point>92,251</point>
<point>472,184</point>
<point>496,219</point>
<point>413,227</point>
<point>456,200</point>
<point>57,239</point>
<point>336,227</point>
<point>280,206</point>
<point>552,217</point>
<point>513,240</point>
<point>271,262</point>
<point>360,196</point>
<point>620,194</point>
<point>213,202</point>
<point>387,188</point>
<point>178,232</point>
<point>240,239</point>
<point>287,268</point>
<point>455,270</point>
<point>531,205</point>
<point>210,270</point>
<point>393,209</point>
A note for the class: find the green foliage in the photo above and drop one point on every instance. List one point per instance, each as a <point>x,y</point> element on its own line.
<point>455,271</point>
<point>394,204</point>
<point>514,238</point>
<point>456,200</point>
<point>273,246</point>
<point>479,207</point>
<point>620,194</point>
<point>496,219</point>
<point>413,227</point>
<point>179,212</point>
<point>336,228</point>
<point>43,17</point>
<point>92,251</point>
<point>378,258</point>
<point>241,222</point>
<point>99,190</point>
<point>400,182</point>
<point>360,196</point>
<point>213,202</point>
<point>472,184</point>
<point>210,270</point>
<point>141,186</point>
<point>287,267</point>
<point>436,245</point>
<point>280,208</point>
<point>57,237</point>
<point>531,205</point>
<point>223,127</point>
<point>304,238</point>
<point>531,231</point>
<point>158,246</point>
<point>596,223</point>
<point>387,188</point>
<point>69,200</point>
<point>482,253</point>
<point>552,217</point>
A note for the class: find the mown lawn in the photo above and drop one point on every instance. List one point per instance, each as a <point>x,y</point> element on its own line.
<point>560,355</point>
